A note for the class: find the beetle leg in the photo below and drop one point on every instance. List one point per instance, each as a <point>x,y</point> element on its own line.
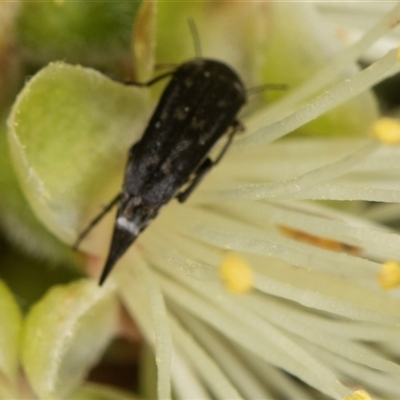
<point>201,171</point>
<point>151,81</point>
<point>236,127</point>
<point>207,164</point>
<point>106,209</point>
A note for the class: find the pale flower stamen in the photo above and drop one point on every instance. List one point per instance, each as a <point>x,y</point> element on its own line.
<point>294,187</point>
<point>347,89</point>
<point>330,73</point>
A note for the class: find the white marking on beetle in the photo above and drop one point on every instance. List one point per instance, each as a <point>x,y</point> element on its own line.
<point>129,226</point>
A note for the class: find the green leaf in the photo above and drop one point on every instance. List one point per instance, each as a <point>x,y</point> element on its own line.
<point>10,65</point>
<point>101,392</point>
<point>17,220</point>
<point>29,278</point>
<point>88,32</point>
<point>65,334</point>
<point>10,327</point>
<point>69,133</point>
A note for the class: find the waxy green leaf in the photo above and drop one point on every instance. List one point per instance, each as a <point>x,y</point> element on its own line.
<point>65,334</point>
<point>89,32</point>
<point>10,326</point>
<point>101,392</point>
<point>69,133</point>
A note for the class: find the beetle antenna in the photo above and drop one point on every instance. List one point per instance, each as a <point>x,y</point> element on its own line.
<point>195,37</point>
<point>267,86</point>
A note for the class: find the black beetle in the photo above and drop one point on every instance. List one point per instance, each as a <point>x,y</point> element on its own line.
<point>198,106</point>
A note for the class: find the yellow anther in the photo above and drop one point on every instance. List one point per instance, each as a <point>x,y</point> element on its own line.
<point>389,275</point>
<point>387,130</point>
<point>236,273</point>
